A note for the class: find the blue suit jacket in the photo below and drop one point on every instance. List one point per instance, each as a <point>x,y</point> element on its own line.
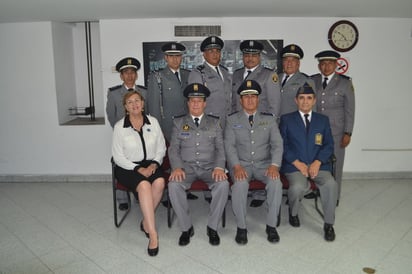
<point>317,144</point>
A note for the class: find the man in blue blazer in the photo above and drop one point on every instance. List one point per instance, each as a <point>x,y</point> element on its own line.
<point>308,147</point>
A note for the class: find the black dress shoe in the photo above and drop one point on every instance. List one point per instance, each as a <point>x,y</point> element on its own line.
<point>142,229</point>
<point>191,196</point>
<point>329,232</point>
<point>273,235</point>
<point>241,236</point>
<point>152,251</point>
<point>311,195</point>
<point>123,206</point>
<point>213,236</point>
<point>256,203</point>
<point>294,220</point>
<point>185,237</point>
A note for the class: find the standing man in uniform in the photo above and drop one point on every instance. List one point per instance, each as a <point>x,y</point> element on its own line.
<point>196,152</point>
<point>269,99</point>
<point>127,67</point>
<point>165,98</point>
<point>336,99</point>
<point>215,77</point>
<point>308,147</point>
<point>291,78</point>
<point>254,149</point>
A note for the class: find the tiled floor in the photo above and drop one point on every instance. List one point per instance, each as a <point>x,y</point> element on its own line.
<point>68,228</point>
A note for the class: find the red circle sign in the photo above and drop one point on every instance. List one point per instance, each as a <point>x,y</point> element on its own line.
<point>343,66</point>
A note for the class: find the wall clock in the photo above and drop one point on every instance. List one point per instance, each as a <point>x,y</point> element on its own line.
<point>343,36</point>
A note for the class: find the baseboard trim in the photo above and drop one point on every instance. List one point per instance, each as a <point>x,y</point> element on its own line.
<point>106,178</point>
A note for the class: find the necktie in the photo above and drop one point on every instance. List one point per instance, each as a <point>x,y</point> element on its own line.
<point>218,73</point>
<point>325,82</point>
<point>197,122</point>
<point>307,122</point>
<point>284,80</point>
<point>177,76</point>
<point>248,73</point>
<point>251,120</point>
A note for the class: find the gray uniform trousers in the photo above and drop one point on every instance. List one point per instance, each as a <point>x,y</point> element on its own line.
<point>240,193</point>
<point>298,186</point>
<point>177,193</point>
<point>340,159</point>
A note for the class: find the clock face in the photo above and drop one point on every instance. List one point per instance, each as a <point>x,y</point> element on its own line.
<point>343,36</point>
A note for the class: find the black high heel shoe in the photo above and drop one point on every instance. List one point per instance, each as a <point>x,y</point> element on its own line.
<point>142,229</point>
<point>153,251</point>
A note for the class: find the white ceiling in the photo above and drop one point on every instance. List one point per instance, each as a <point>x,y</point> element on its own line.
<point>92,10</point>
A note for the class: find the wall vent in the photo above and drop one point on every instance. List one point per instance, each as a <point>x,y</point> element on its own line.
<point>187,31</point>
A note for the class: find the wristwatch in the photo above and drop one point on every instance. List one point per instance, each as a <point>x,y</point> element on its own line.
<point>349,134</point>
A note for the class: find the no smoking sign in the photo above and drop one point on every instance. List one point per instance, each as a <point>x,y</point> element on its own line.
<point>343,66</point>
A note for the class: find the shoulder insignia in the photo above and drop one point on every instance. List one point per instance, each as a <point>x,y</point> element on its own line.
<point>315,75</point>
<point>304,74</point>
<point>223,67</point>
<point>275,77</point>
<point>239,69</point>
<point>213,116</point>
<point>142,87</point>
<point>200,67</point>
<point>233,113</point>
<point>183,69</point>
<point>345,77</point>
<point>268,68</point>
<point>179,116</point>
<point>267,114</point>
<point>115,87</point>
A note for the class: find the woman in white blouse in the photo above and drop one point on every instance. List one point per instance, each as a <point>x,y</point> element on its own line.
<point>138,149</point>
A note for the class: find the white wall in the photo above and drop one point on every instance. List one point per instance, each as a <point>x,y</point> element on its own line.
<point>32,142</point>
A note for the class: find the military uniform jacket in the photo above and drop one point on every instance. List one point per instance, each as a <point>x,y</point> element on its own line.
<point>317,144</point>
<point>258,146</point>
<point>114,105</point>
<point>337,102</point>
<point>165,93</point>
<point>289,90</point>
<point>219,101</point>
<point>269,99</point>
<point>196,147</point>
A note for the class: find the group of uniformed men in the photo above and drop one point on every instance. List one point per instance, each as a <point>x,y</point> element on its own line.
<point>237,128</point>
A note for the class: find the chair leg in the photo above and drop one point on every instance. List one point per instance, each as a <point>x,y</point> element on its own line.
<point>317,195</point>
<point>169,211</point>
<point>118,223</point>
<point>278,222</point>
<point>224,217</point>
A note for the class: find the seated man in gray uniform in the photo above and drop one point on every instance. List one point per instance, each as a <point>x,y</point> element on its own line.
<point>254,150</point>
<point>308,147</point>
<point>196,152</point>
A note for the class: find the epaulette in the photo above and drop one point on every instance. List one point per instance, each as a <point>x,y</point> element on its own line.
<point>179,116</point>
<point>267,114</point>
<point>315,75</point>
<point>223,67</point>
<point>304,74</point>
<point>185,69</point>
<point>346,77</point>
<point>268,68</point>
<point>115,87</point>
<point>142,87</point>
<point>213,116</point>
<point>240,69</point>
<point>200,67</point>
<point>233,113</point>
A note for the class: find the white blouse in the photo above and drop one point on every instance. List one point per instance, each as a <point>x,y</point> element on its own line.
<point>129,146</point>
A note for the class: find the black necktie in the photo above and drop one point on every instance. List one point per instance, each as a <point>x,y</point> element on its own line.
<point>307,122</point>
<point>218,73</point>
<point>247,75</point>
<point>251,120</point>
<point>284,80</point>
<point>177,76</point>
<point>197,122</point>
<point>325,82</point>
